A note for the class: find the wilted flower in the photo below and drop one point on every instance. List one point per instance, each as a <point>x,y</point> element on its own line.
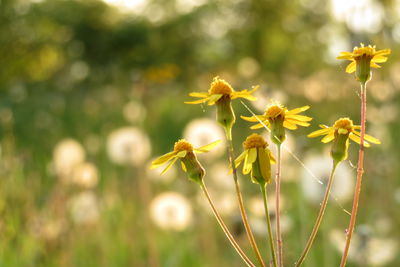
<point>85,175</point>
<point>278,117</point>
<point>362,59</point>
<point>184,151</point>
<point>204,131</point>
<point>257,159</point>
<point>128,146</point>
<point>66,156</point>
<point>340,132</point>
<point>84,208</point>
<point>171,211</point>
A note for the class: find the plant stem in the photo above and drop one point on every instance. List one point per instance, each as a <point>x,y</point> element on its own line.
<point>243,214</point>
<point>225,228</point>
<point>279,242</point>
<point>360,171</point>
<point>270,236</point>
<point>319,217</point>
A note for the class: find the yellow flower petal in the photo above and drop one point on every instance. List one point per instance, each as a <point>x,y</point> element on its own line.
<point>297,110</point>
<point>169,165</point>
<point>256,118</point>
<point>345,55</point>
<point>328,138</point>
<point>299,117</point>
<point>181,154</point>
<point>249,160</point>
<point>379,59</point>
<point>374,65</point>
<point>207,148</point>
<point>239,159</point>
<point>301,123</point>
<point>351,67</point>
<point>320,132</point>
<point>197,94</point>
<point>183,167</point>
<point>197,101</point>
<point>258,126</point>
<point>382,52</point>
<point>368,138</point>
<point>357,139</point>
<point>271,156</point>
<point>289,125</point>
<point>161,160</point>
<point>265,164</point>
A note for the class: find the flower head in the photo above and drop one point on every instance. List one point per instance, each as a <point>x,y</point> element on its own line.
<point>257,159</point>
<point>278,117</point>
<point>218,89</point>
<point>185,151</point>
<point>340,133</point>
<point>362,59</point>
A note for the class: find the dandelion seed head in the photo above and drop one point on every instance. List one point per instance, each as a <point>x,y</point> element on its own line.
<point>85,175</point>
<point>84,208</point>
<point>67,154</point>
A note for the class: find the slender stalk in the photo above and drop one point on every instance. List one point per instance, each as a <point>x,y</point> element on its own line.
<point>270,236</point>
<point>245,220</point>
<point>360,171</point>
<point>225,228</point>
<point>319,217</point>
<point>279,243</point>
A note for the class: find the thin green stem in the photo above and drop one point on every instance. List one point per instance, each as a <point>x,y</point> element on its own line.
<point>243,214</point>
<point>270,235</point>
<point>360,171</point>
<point>319,217</point>
<point>225,228</point>
<point>279,243</point>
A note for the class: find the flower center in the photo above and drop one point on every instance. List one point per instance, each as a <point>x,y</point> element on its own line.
<point>182,145</point>
<point>366,51</point>
<point>220,86</point>
<point>275,110</point>
<point>343,125</point>
<point>254,140</point>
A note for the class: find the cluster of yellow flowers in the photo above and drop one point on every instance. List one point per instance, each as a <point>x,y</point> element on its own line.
<point>256,156</point>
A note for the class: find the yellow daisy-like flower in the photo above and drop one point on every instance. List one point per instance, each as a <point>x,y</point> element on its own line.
<point>184,151</point>
<point>362,58</point>
<point>278,117</point>
<point>257,159</point>
<point>218,89</point>
<point>340,133</point>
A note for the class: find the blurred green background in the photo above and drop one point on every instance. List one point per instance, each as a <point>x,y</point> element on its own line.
<point>91,91</point>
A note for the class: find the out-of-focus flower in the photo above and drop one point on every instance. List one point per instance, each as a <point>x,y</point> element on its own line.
<point>362,59</point>
<point>134,111</point>
<point>67,154</point>
<point>184,151</point>
<point>219,173</point>
<point>84,208</point>
<point>48,229</point>
<point>340,132</point>
<point>128,146</point>
<point>278,117</point>
<point>171,211</point>
<point>85,175</point>
<point>257,159</point>
<point>366,249</point>
<point>320,167</point>
<point>201,132</point>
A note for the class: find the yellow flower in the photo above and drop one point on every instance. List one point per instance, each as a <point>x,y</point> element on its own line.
<point>257,159</point>
<point>362,58</point>
<point>184,151</point>
<point>278,117</point>
<point>218,89</point>
<point>340,133</point>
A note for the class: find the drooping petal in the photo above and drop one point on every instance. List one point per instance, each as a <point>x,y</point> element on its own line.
<point>207,148</point>
<point>265,165</point>
<point>299,117</point>
<point>163,159</point>
<point>320,132</point>
<point>297,110</point>
<point>169,165</point>
<point>239,159</point>
<point>357,139</point>
<point>249,160</point>
<point>328,138</point>
<point>258,126</point>
<point>198,94</point>
<point>301,123</point>
<point>256,118</point>
<point>379,59</point>
<point>351,67</point>
<point>197,101</point>
<point>289,125</point>
<point>183,167</point>
<point>369,138</point>
<point>271,156</point>
<point>374,65</point>
<point>345,55</point>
